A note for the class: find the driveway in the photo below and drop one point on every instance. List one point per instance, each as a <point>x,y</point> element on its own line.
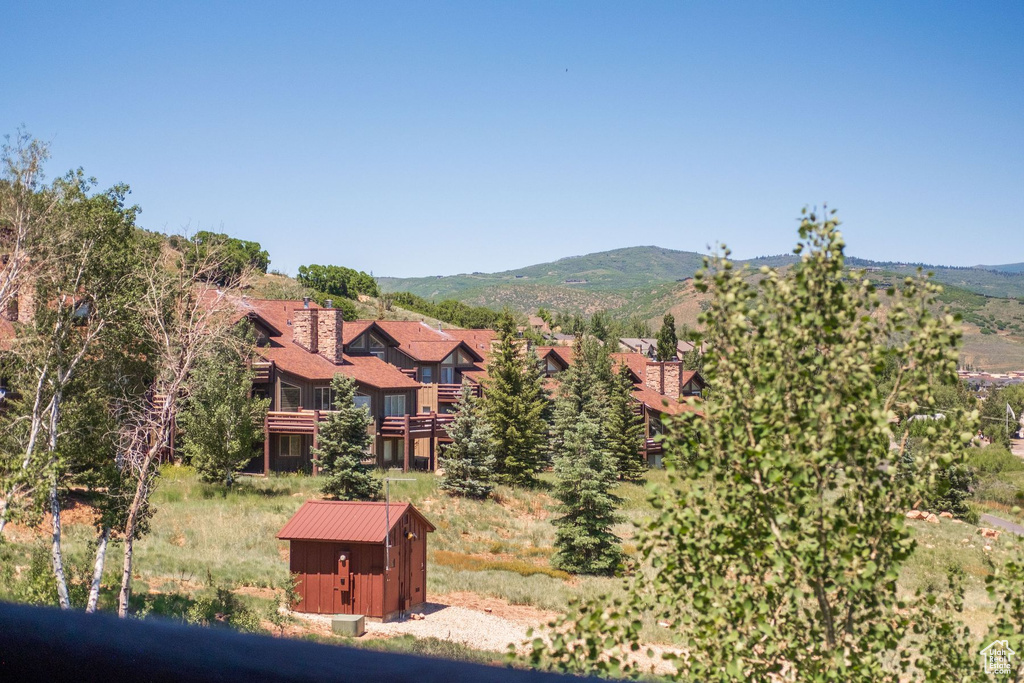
<point>1006,525</point>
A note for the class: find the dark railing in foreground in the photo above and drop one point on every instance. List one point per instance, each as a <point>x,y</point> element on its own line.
<point>45,644</point>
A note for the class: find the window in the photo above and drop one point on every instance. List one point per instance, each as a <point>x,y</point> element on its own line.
<point>447,375</point>
<point>394,404</point>
<point>361,401</point>
<point>389,450</point>
<point>291,445</point>
<point>360,343</point>
<point>426,374</point>
<point>552,367</point>
<point>376,347</point>
<point>291,398</point>
<point>323,398</point>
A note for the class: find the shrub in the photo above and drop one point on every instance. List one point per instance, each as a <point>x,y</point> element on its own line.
<point>994,460</point>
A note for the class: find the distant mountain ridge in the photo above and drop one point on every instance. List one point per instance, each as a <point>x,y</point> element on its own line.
<point>622,271</point>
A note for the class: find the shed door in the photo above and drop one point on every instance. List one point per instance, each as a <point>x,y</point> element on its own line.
<point>343,591</point>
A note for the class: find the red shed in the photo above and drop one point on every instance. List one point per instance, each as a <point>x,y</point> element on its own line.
<point>341,552</point>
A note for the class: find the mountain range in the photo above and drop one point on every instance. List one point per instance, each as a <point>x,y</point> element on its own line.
<point>646,282</point>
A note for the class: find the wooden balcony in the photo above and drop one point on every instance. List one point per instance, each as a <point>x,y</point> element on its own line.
<point>424,425</point>
<point>652,447</point>
<point>263,370</point>
<point>451,393</point>
<point>300,422</point>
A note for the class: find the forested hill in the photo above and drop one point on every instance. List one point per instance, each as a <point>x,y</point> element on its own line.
<point>623,271</point>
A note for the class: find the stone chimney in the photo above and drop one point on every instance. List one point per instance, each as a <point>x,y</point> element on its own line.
<point>330,325</point>
<point>305,328</point>
<point>664,377</point>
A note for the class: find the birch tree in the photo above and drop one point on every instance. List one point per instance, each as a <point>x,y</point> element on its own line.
<point>778,541</point>
<point>73,279</point>
<point>184,318</point>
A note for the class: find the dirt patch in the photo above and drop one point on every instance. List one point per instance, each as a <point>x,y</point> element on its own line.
<point>74,512</point>
<point>258,592</point>
<point>526,615</point>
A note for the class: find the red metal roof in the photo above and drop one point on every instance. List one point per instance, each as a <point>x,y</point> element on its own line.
<point>352,521</point>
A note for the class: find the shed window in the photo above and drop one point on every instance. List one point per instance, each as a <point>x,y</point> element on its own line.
<point>291,445</point>
<point>394,404</point>
<point>291,397</point>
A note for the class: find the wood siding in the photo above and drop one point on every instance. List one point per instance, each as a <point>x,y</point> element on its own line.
<point>370,590</point>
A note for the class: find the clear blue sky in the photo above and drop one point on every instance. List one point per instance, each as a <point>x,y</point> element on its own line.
<point>426,138</point>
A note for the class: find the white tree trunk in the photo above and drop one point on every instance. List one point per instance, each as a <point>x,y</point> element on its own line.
<point>58,555</point>
<point>58,558</point>
<point>3,516</point>
<point>97,572</point>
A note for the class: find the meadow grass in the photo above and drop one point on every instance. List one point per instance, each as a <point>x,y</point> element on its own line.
<point>203,537</point>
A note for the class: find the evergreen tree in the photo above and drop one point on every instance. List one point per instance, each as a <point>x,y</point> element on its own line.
<point>515,406</point>
<point>585,474</point>
<point>668,342</point>
<point>343,443</point>
<point>468,461</point>
<point>625,429</point>
<point>221,420</point>
<point>584,467</point>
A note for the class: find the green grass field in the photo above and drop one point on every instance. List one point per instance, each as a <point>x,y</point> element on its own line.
<point>203,538</point>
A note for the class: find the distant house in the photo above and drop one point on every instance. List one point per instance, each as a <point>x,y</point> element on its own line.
<point>357,557</point>
<point>408,375</point>
<point>658,389</point>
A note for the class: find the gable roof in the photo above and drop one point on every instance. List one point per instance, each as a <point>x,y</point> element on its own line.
<point>293,359</point>
<point>351,521</point>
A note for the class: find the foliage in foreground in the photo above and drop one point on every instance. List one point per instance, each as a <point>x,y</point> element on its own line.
<point>778,541</point>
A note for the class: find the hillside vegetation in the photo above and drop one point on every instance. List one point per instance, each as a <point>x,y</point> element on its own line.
<point>647,282</point>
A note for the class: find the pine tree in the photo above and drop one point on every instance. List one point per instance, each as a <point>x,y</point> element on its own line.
<point>585,474</point>
<point>514,407</point>
<point>584,467</point>
<point>343,442</point>
<point>221,420</point>
<point>468,461</point>
<point>625,429</point>
<point>668,342</point>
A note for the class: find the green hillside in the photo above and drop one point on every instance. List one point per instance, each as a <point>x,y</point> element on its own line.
<point>613,279</point>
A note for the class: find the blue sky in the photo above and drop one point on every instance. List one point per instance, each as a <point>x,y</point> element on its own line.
<point>428,138</point>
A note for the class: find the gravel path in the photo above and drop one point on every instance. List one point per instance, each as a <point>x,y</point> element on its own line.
<point>477,630</point>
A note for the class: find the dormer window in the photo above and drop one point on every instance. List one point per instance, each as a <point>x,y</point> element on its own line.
<point>360,342</point>
<point>377,347</point>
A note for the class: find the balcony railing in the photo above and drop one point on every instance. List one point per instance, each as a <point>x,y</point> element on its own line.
<point>451,393</point>
<point>652,447</point>
<point>262,368</point>
<point>299,422</point>
<point>416,426</point>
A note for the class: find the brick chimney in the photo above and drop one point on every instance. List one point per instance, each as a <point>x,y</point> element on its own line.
<point>330,324</point>
<point>305,328</point>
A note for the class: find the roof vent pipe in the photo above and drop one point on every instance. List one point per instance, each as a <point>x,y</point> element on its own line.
<point>305,302</point>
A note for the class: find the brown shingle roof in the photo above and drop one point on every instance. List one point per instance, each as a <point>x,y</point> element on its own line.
<point>291,358</point>
<point>351,521</point>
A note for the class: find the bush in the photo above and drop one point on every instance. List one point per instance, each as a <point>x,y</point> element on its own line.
<point>994,460</point>
<point>225,609</point>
